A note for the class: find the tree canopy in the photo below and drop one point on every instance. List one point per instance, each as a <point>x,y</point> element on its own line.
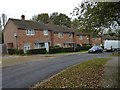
<point>95,16</point>
<point>54,18</point>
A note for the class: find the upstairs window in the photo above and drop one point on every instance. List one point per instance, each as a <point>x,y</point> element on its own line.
<point>60,35</point>
<point>81,37</point>
<point>45,32</point>
<point>70,35</point>
<point>87,37</point>
<point>30,32</point>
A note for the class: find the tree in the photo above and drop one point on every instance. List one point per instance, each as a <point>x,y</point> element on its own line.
<point>44,17</point>
<point>75,23</point>
<point>60,19</point>
<point>4,19</point>
<point>54,18</point>
<point>94,17</point>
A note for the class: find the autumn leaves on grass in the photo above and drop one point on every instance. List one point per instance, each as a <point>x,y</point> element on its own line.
<point>85,75</point>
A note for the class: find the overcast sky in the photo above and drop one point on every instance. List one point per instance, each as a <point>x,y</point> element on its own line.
<point>15,8</point>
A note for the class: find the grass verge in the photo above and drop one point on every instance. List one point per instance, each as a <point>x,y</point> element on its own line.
<point>85,75</point>
<point>115,54</point>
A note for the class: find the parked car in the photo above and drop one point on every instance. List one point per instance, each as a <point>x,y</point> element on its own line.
<point>95,49</point>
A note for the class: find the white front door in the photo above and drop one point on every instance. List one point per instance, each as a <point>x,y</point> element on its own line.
<point>47,46</point>
<point>26,47</point>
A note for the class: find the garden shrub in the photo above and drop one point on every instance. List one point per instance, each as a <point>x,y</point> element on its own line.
<point>37,51</point>
<point>15,51</point>
<point>55,50</point>
<point>59,50</point>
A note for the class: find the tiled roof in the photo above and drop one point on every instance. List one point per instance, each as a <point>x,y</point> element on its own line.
<point>79,33</point>
<point>24,24</point>
<point>59,28</point>
<point>111,37</point>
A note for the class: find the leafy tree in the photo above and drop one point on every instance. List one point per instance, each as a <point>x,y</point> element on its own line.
<point>44,17</point>
<point>75,23</point>
<point>3,20</point>
<point>94,17</point>
<point>54,18</point>
<point>60,19</point>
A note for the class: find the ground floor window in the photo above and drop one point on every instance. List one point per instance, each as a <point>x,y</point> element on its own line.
<point>39,45</point>
<point>67,45</point>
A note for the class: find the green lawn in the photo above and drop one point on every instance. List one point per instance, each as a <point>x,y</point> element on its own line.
<point>85,75</point>
<point>83,51</point>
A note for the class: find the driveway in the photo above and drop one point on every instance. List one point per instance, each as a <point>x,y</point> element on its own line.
<point>26,74</point>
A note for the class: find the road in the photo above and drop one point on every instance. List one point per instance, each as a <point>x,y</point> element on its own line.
<point>27,74</point>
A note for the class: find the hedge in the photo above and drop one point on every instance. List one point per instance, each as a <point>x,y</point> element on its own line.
<point>59,50</point>
<point>55,50</point>
<point>15,51</point>
<point>37,51</point>
<point>80,48</point>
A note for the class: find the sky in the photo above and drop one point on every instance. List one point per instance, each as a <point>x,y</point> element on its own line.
<point>29,8</point>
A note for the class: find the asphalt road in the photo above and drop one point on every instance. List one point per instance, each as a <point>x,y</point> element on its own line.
<point>27,74</point>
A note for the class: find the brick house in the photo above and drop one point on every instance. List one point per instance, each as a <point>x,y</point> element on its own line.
<point>82,38</point>
<point>96,40</point>
<point>61,36</point>
<point>26,34</point>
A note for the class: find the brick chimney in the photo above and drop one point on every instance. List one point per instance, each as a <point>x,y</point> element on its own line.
<point>23,17</point>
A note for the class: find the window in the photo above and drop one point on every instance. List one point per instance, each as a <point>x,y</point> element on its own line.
<point>45,32</point>
<point>30,32</point>
<point>81,37</point>
<point>60,35</point>
<point>99,38</point>
<point>87,37</point>
<point>70,35</point>
<point>39,45</point>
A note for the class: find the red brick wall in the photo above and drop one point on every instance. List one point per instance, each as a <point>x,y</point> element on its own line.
<point>9,31</point>
<point>39,36</point>
<point>61,41</point>
<point>52,37</point>
<point>84,40</point>
<point>96,41</point>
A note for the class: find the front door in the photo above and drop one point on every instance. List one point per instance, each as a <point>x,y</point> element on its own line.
<point>47,46</point>
<point>26,47</point>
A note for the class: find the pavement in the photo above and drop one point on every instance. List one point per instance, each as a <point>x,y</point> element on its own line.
<point>26,74</point>
<point>110,77</point>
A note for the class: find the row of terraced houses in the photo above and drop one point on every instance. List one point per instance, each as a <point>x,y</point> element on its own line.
<point>27,34</point>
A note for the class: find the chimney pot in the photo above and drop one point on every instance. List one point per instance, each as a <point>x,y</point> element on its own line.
<point>23,17</point>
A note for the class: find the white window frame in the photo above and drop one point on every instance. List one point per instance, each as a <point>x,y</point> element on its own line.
<point>30,32</point>
<point>60,35</point>
<point>45,32</point>
<point>81,37</point>
<point>38,46</point>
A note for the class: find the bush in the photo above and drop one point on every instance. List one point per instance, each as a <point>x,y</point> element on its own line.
<point>55,50</point>
<point>84,47</point>
<point>15,51</point>
<point>59,50</point>
<point>37,51</point>
<point>68,49</point>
